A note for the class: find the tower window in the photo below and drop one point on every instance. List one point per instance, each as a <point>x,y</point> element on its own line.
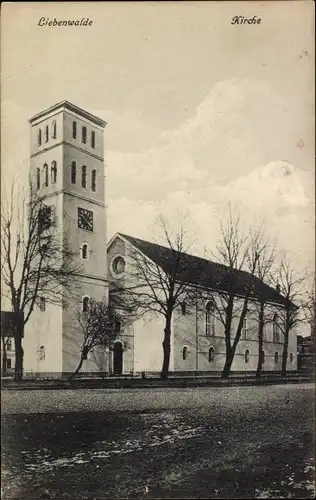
<point>291,357</point>
<point>73,171</point>
<point>74,130</point>
<point>185,352</point>
<point>85,251</point>
<point>276,357</point>
<point>39,137</point>
<point>85,304</point>
<point>38,178</point>
<point>46,217</point>
<point>42,304</point>
<point>45,175</point>
<point>93,139</point>
<point>118,326</point>
<point>46,133</point>
<point>54,130</point>
<point>9,363</point>
<point>84,176</point>
<point>93,180</point>
<point>54,172</point>
<point>247,356</point>
<point>211,354</point>
<point>84,135</point>
<point>9,345</point>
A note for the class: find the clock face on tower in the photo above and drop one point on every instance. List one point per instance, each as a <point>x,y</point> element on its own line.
<point>85,219</point>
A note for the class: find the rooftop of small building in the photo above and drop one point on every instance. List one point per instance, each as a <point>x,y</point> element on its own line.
<point>206,273</point>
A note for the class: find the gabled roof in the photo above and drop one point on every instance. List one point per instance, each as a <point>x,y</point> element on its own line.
<point>203,272</point>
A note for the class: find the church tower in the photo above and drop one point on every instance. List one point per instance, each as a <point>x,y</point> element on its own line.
<point>67,166</point>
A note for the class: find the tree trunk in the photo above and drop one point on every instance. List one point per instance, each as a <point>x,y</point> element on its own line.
<point>228,363</point>
<point>166,348</point>
<point>260,339</point>
<point>229,351</point>
<point>285,352</point>
<point>4,360</point>
<point>77,370</point>
<point>18,370</point>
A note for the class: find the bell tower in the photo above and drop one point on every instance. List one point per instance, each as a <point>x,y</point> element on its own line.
<point>67,166</point>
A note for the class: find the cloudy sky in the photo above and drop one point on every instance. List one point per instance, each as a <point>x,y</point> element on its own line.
<point>199,112</point>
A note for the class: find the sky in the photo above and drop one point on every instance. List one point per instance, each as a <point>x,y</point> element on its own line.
<point>199,112</point>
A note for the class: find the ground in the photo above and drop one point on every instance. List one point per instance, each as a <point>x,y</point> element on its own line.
<point>226,442</point>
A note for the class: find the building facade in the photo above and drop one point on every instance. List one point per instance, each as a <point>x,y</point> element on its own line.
<point>67,172</point>
<point>197,334</point>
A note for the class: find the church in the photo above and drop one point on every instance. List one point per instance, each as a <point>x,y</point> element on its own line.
<point>67,166</point>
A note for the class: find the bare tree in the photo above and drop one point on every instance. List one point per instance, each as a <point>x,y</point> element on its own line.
<point>265,262</point>
<point>291,287</point>
<point>36,260</point>
<point>100,326</point>
<point>239,254</point>
<point>309,308</point>
<point>159,278</point>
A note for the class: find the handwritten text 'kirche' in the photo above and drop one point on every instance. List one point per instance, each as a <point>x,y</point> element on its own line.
<point>246,20</point>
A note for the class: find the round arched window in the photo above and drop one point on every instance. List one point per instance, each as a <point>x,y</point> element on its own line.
<point>118,265</point>
<point>247,356</point>
<point>185,352</point>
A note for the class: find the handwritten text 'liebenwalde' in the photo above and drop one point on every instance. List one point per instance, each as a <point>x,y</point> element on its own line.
<point>84,21</point>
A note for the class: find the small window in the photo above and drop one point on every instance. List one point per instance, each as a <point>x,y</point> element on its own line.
<point>74,130</point>
<point>291,357</point>
<point>93,180</point>
<point>73,171</point>
<point>9,363</point>
<point>85,304</point>
<point>84,135</point>
<point>185,352</point>
<point>46,133</point>
<point>54,130</point>
<point>42,304</point>
<point>41,353</point>
<point>211,354</point>
<point>54,172</point>
<point>9,345</point>
<point>118,326</point>
<point>39,137</point>
<point>45,175</point>
<point>38,178</point>
<point>183,308</point>
<point>93,139</point>
<point>209,319</point>
<point>247,356</point>
<point>85,251</point>
<point>276,357</point>
<point>84,176</point>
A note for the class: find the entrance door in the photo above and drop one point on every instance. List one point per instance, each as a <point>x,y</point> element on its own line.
<point>118,358</point>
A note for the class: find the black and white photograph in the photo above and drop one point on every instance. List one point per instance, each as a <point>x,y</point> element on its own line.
<point>158,335</point>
